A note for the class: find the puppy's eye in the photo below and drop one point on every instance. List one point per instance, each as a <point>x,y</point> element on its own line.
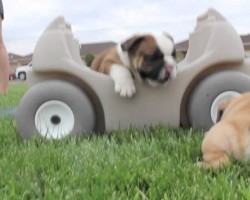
<point>155,56</point>
<point>148,57</point>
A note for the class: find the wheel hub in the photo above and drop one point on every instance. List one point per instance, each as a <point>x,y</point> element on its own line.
<point>54,119</point>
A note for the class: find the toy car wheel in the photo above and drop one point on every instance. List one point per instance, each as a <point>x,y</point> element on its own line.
<point>54,110</point>
<point>22,76</point>
<point>203,103</point>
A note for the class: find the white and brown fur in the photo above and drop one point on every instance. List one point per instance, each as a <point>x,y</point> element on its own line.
<point>230,137</point>
<point>144,57</point>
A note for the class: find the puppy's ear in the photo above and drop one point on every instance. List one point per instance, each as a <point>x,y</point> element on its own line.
<point>172,39</point>
<point>222,107</point>
<point>219,115</point>
<point>132,44</point>
<point>169,36</point>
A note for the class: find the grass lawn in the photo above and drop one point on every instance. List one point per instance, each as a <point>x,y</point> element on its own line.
<point>130,164</point>
<point>16,91</point>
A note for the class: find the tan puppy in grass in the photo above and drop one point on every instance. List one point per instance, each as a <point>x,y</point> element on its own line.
<point>230,137</point>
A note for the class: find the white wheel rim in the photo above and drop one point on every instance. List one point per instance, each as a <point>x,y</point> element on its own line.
<point>54,119</point>
<point>22,76</point>
<point>220,98</point>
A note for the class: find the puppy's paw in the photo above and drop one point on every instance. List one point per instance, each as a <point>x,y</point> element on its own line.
<point>124,83</point>
<point>125,88</point>
<point>210,166</point>
<point>203,165</point>
<point>200,164</point>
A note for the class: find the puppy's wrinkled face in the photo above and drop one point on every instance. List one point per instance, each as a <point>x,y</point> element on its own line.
<point>152,57</point>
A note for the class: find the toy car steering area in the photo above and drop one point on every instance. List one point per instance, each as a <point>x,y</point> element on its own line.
<point>66,98</point>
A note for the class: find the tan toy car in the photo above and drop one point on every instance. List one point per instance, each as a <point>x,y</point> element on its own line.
<point>66,98</point>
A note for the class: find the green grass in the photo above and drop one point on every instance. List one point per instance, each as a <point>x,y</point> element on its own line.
<point>16,91</point>
<point>157,163</point>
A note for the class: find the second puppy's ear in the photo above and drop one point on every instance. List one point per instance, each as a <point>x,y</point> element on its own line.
<point>219,115</point>
<point>132,44</point>
<point>222,107</point>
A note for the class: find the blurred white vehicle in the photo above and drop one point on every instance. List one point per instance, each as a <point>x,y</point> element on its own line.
<point>21,72</point>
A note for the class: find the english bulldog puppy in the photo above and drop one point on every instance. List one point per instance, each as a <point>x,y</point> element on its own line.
<point>144,57</point>
<point>230,136</point>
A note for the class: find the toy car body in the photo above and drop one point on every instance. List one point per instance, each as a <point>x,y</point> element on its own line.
<point>69,98</point>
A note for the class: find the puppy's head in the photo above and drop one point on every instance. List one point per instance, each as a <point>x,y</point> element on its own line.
<point>152,57</point>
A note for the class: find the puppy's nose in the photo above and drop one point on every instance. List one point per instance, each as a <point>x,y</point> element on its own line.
<point>168,67</point>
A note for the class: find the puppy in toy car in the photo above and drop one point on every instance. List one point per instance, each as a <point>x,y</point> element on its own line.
<point>144,57</point>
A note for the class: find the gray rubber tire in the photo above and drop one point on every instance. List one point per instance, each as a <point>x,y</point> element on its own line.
<point>205,93</point>
<point>22,76</point>
<point>59,105</point>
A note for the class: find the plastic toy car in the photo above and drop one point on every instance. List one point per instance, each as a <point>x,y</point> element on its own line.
<point>66,98</point>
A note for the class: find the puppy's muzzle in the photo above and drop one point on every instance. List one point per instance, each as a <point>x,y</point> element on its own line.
<point>167,72</point>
